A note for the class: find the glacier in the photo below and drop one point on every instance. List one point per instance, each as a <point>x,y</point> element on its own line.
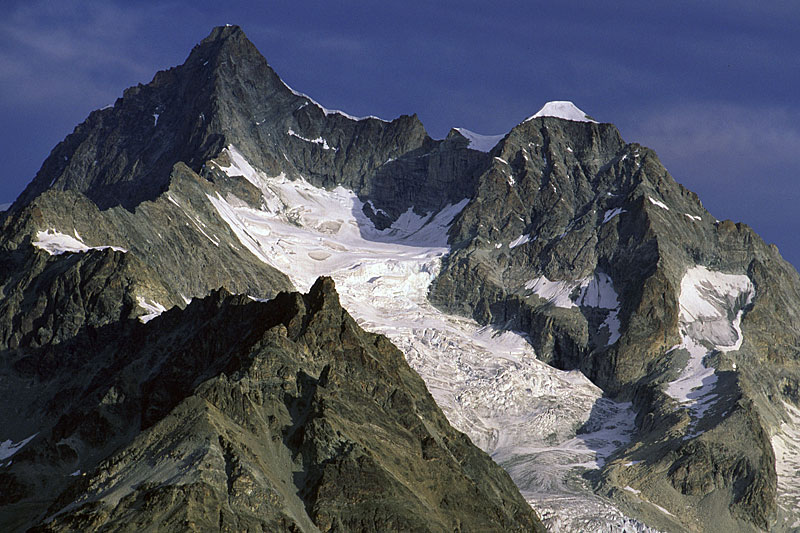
<point>545,426</point>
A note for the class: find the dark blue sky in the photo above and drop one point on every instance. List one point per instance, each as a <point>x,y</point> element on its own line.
<point>712,86</point>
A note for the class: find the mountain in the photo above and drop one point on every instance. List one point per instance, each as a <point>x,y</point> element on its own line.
<point>629,360</point>
<point>235,414</point>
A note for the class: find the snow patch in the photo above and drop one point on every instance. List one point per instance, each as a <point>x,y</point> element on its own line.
<point>555,292</point>
<point>595,291</point>
<point>611,213</point>
<point>239,166</point>
<point>56,243</point>
<point>153,309</point>
<point>482,143</point>
<point>319,140</point>
<point>786,445</point>
<point>330,111</point>
<point>522,239</point>
<point>562,109</point>
<point>9,448</point>
<point>376,210</point>
<point>653,201</point>
<point>711,308</point>
<point>693,217</point>
<point>155,118</point>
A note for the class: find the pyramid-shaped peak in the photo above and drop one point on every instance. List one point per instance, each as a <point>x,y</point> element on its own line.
<point>221,33</point>
<point>225,41</point>
<point>563,109</point>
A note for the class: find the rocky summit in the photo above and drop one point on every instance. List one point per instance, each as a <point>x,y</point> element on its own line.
<point>228,308</point>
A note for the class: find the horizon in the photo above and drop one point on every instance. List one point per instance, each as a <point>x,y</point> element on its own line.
<point>710,88</point>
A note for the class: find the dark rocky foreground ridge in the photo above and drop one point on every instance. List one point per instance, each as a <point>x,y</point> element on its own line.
<point>232,413</point>
<point>238,415</point>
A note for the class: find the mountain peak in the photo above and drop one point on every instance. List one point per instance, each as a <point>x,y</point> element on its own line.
<point>220,33</point>
<point>563,109</point>
<point>226,40</point>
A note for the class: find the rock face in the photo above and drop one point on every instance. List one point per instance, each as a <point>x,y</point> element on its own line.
<point>164,253</point>
<point>583,242</point>
<point>235,414</point>
<point>226,413</point>
<point>225,93</point>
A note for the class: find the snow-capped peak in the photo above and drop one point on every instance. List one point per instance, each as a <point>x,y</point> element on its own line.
<point>483,143</point>
<point>562,109</point>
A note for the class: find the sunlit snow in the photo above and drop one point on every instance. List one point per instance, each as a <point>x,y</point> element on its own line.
<point>562,109</point>
<point>330,111</point>
<point>319,140</point>
<point>153,309</point>
<point>56,243</point>
<point>488,382</point>
<point>522,239</point>
<point>595,291</point>
<point>711,307</point>
<point>662,205</point>
<point>786,445</point>
<point>483,143</point>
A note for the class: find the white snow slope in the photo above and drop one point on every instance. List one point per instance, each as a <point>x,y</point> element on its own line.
<point>711,308</point>
<point>490,385</point>
<point>785,443</point>
<point>595,291</point>
<point>57,243</point>
<point>484,143</point>
<point>562,109</point>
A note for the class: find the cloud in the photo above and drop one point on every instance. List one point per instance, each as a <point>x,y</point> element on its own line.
<point>742,161</point>
<point>56,49</point>
<point>731,136</point>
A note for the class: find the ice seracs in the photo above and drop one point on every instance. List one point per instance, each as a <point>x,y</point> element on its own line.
<point>489,383</point>
<point>562,109</point>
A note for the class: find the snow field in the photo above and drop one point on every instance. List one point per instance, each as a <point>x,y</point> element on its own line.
<point>489,383</point>
<point>786,445</point>
<point>562,109</point>
<point>595,291</point>
<point>711,307</point>
<point>56,243</point>
<point>483,143</point>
